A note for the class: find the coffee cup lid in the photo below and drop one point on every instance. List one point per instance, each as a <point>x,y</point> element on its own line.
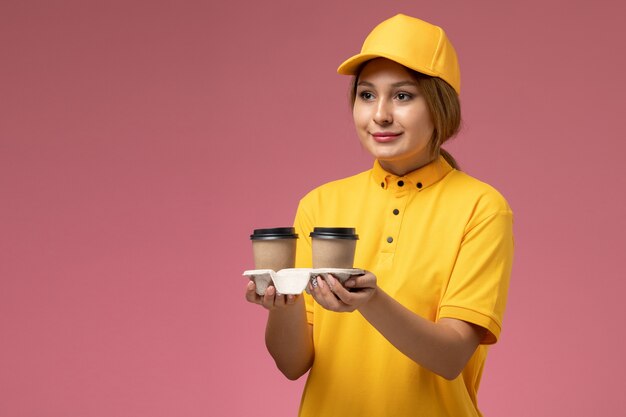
<point>274,233</point>
<point>334,233</point>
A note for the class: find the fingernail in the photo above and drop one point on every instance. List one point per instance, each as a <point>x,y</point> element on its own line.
<point>350,283</point>
<point>330,280</point>
<point>313,283</point>
<point>250,284</point>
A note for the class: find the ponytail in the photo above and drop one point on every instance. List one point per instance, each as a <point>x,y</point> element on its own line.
<point>449,158</point>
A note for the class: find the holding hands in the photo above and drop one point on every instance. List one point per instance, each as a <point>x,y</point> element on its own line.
<point>325,289</point>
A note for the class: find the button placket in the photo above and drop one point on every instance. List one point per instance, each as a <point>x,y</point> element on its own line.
<point>395,211</point>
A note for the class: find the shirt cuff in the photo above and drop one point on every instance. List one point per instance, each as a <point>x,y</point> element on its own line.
<point>492,325</point>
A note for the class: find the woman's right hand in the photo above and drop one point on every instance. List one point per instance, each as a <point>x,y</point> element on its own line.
<point>271,300</point>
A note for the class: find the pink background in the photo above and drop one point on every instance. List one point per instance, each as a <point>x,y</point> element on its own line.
<point>141,141</point>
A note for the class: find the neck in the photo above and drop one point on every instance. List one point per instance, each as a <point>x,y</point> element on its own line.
<point>401,169</point>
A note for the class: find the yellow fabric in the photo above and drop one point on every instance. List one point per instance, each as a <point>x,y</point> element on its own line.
<point>411,42</point>
<point>450,256</point>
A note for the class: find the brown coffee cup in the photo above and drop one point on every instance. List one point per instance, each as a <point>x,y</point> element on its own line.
<point>274,248</point>
<point>333,247</point>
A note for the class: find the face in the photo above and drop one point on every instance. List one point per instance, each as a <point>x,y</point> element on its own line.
<point>391,117</point>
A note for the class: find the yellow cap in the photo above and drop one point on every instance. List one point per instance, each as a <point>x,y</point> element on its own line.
<point>413,43</point>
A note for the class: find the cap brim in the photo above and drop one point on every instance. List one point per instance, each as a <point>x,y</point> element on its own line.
<point>352,64</point>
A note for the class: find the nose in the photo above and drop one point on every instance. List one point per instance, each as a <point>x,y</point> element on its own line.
<point>384,113</point>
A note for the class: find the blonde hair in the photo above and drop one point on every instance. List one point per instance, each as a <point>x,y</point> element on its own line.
<point>444,107</point>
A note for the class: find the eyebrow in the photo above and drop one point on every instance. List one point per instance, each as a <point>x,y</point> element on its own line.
<point>394,85</point>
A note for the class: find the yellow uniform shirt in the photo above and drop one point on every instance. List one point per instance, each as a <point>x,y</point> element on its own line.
<point>440,242</point>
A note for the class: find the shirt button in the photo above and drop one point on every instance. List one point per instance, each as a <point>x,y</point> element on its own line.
<point>389,239</point>
<point>396,211</point>
<point>419,185</point>
<point>400,183</point>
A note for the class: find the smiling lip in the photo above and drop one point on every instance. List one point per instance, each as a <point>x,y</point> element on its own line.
<point>384,137</point>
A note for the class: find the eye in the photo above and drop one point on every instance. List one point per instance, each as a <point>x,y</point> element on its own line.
<point>404,96</point>
<point>366,95</point>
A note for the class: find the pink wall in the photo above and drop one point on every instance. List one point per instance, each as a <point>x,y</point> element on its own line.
<point>141,141</point>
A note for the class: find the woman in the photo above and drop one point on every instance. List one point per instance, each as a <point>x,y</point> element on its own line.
<point>410,337</point>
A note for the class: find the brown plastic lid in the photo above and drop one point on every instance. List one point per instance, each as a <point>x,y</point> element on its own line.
<point>274,233</point>
<point>334,233</point>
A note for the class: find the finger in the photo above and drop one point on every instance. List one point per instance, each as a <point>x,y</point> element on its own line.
<point>322,287</point>
<point>325,295</point>
<point>268,298</point>
<point>333,283</point>
<point>251,295</point>
<point>279,300</point>
<point>313,283</point>
<point>291,299</point>
<point>338,290</point>
<point>347,301</point>
<point>314,287</point>
<point>367,280</point>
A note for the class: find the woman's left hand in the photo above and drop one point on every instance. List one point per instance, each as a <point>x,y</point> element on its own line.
<point>330,294</point>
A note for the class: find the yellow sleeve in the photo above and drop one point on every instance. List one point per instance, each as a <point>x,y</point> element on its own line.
<point>478,287</point>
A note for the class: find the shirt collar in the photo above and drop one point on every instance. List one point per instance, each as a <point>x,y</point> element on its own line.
<point>420,179</point>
